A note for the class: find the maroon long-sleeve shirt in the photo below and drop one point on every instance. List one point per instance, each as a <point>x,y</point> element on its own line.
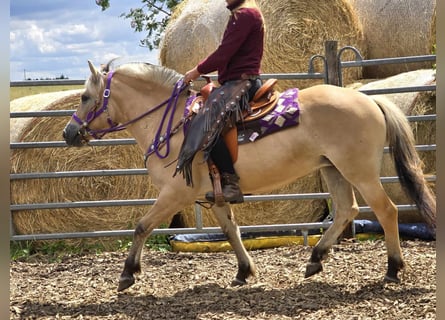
<point>241,48</point>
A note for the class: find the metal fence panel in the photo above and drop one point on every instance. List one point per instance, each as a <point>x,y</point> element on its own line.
<point>198,229</point>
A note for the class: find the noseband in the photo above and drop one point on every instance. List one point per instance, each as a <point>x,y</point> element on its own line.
<point>93,114</point>
<point>159,139</point>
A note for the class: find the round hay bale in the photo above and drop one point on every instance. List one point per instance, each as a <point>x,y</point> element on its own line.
<point>433,28</point>
<point>272,212</point>
<point>194,30</point>
<point>412,104</point>
<point>406,79</point>
<point>106,187</point>
<point>71,159</point>
<point>396,28</point>
<point>36,102</point>
<point>295,31</point>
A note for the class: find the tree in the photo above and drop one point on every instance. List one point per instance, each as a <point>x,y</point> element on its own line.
<point>152,18</point>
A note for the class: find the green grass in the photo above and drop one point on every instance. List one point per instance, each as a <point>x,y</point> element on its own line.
<point>56,250</point>
<point>18,92</point>
<point>53,251</point>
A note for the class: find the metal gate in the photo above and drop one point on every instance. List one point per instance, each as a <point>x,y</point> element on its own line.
<point>331,73</point>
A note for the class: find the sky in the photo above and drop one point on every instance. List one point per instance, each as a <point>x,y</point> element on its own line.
<point>50,38</point>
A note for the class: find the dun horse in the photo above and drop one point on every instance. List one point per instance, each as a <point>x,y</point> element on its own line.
<point>341,132</point>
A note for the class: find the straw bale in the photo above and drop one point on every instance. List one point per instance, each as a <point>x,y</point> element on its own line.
<point>101,187</point>
<point>295,31</point>
<point>405,79</point>
<point>415,103</point>
<point>36,102</point>
<point>396,28</point>
<point>433,27</point>
<point>273,212</point>
<point>194,31</point>
<point>68,159</point>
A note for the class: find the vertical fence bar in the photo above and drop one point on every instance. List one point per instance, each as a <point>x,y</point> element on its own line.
<point>333,76</point>
<point>332,62</point>
<point>11,225</point>
<point>198,216</point>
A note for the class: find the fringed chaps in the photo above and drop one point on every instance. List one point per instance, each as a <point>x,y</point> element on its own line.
<point>222,109</point>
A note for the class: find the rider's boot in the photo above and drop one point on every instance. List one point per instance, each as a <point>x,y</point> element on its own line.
<point>230,189</point>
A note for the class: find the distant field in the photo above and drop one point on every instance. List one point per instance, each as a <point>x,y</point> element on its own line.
<point>18,92</point>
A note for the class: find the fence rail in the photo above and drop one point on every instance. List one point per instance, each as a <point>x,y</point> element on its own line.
<point>329,75</point>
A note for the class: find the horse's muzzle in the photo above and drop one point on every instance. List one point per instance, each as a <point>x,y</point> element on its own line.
<point>74,135</point>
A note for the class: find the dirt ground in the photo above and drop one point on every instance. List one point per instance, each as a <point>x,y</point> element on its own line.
<point>180,285</point>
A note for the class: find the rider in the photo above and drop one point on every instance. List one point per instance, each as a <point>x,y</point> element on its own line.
<point>237,57</point>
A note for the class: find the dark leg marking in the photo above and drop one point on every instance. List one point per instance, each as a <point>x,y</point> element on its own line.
<point>314,266</point>
<point>243,273</point>
<point>394,266</point>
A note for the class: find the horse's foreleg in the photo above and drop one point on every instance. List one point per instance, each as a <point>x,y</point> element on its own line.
<point>133,262</point>
<point>346,208</point>
<point>157,214</point>
<point>226,220</point>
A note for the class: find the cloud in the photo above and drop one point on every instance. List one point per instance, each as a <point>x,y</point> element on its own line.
<point>50,38</point>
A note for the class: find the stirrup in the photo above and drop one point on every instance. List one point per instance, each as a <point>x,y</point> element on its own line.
<point>210,197</point>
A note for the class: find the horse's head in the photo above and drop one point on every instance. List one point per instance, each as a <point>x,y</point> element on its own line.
<point>135,85</point>
<point>91,118</point>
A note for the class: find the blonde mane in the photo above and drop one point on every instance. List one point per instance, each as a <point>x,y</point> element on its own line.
<point>145,72</point>
<point>150,73</point>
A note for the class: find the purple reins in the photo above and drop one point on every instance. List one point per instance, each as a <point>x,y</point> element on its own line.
<point>160,139</point>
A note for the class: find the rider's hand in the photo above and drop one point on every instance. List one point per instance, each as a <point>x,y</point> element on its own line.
<point>191,75</point>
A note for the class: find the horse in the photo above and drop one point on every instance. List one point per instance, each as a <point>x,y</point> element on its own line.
<point>341,132</point>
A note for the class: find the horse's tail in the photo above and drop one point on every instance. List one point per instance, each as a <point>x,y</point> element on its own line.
<point>407,162</point>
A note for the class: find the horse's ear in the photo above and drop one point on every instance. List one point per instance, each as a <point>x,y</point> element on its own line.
<point>95,73</point>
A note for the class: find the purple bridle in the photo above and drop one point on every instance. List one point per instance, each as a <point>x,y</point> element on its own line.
<point>160,139</point>
<point>93,114</point>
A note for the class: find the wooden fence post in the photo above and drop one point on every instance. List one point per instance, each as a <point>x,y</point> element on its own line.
<point>332,69</point>
<point>333,77</point>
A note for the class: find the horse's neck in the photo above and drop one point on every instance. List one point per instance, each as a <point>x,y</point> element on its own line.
<point>145,129</point>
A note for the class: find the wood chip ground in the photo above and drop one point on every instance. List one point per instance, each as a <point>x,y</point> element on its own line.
<point>180,285</point>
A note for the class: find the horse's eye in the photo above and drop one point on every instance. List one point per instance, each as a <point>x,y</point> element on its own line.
<point>85,98</point>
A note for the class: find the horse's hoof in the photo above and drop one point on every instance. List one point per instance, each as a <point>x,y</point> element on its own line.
<point>125,282</point>
<point>238,282</point>
<point>313,268</point>
<point>391,279</point>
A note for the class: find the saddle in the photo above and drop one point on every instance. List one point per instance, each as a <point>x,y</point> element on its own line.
<point>226,112</point>
<point>263,102</point>
<point>211,119</point>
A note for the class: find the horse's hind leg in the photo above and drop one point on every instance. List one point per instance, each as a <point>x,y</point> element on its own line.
<point>226,220</point>
<point>346,208</point>
<point>387,215</point>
